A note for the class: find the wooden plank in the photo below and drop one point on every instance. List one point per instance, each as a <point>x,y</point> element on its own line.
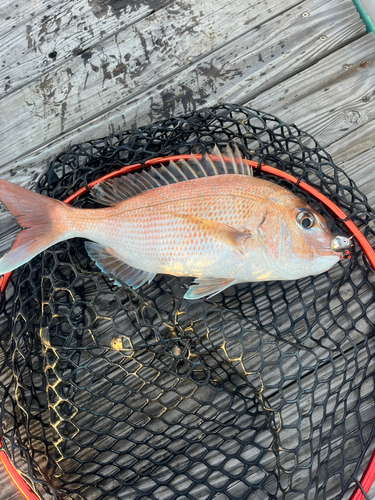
<point>14,13</point>
<point>8,489</point>
<point>125,64</point>
<point>371,493</point>
<point>355,154</point>
<point>70,29</point>
<point>353,144</point>
<point>362,170</point>
<point>288,436</point>
<point>330,99</point>
<point>273,52</point>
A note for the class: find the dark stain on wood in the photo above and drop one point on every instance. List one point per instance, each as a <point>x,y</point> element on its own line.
<point>144,44</point>
<point>120,69</point>
<point>47,90</point>
<point>107,75</point>
<point>103,8</point>
<point>48,25</point>
<point>216,75</point>
<point>183,96</point>
<point>30,41</point>
<point>7,85</point>
<point>86,54</point>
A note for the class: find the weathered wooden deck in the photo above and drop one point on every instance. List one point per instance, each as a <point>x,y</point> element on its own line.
<point>78,70</point>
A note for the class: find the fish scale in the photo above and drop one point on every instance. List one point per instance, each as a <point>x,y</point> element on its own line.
<point>157,240</point>
<point>208,219</point>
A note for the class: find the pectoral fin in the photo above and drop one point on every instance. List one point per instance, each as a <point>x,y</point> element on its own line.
<point>202,287</point>
<point>109,262</point>
<point>219,231</point>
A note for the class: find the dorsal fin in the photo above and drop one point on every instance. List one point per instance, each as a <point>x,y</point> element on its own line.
<point>119,189</point>
<point>197,166</point>
<point>187,169</point>
<point>116,190</point>
<point>208,165</point>
<point>235,163</point>
<point>221,164</point>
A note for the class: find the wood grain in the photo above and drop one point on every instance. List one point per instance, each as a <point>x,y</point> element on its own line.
<point>359,141</point>
<point>16,13</point>
<point>252,60</point>
<point>120,67</point>
<point>69,30</point>
<point>362,169</point>
<point>330,99</point>
<point>8,489</point>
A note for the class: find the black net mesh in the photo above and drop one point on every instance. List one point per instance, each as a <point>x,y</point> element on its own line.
<point>266,392</point>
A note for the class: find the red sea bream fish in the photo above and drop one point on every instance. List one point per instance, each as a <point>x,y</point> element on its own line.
<point>209,219</point>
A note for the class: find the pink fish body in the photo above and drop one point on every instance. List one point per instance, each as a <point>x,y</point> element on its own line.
<point>207,219</point>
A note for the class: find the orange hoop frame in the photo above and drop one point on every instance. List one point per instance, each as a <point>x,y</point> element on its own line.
<point>368,476</point>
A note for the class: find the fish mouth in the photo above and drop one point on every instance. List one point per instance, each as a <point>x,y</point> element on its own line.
<point>328,252</point>
<point>341,253</point>
<point>338,247</point>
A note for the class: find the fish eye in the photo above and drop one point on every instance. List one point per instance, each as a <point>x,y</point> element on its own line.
<point>305,220</point>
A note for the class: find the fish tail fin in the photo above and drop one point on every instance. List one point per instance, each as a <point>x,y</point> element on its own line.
<point>40,224</point>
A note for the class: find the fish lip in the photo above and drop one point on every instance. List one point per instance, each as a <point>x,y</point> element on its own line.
<point>328,252</point>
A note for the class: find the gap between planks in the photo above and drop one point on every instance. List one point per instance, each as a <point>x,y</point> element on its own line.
<point>27,58</point>
<point>147,105</point>
<point>149,36</point>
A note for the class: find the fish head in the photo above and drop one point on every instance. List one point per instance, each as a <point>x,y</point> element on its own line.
<point>297,240</point>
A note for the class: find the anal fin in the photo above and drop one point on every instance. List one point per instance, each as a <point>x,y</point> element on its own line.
<point>109,262</point>
<point>207,287</point>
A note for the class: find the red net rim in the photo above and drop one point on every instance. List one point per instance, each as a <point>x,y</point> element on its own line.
<point>368,476</point>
